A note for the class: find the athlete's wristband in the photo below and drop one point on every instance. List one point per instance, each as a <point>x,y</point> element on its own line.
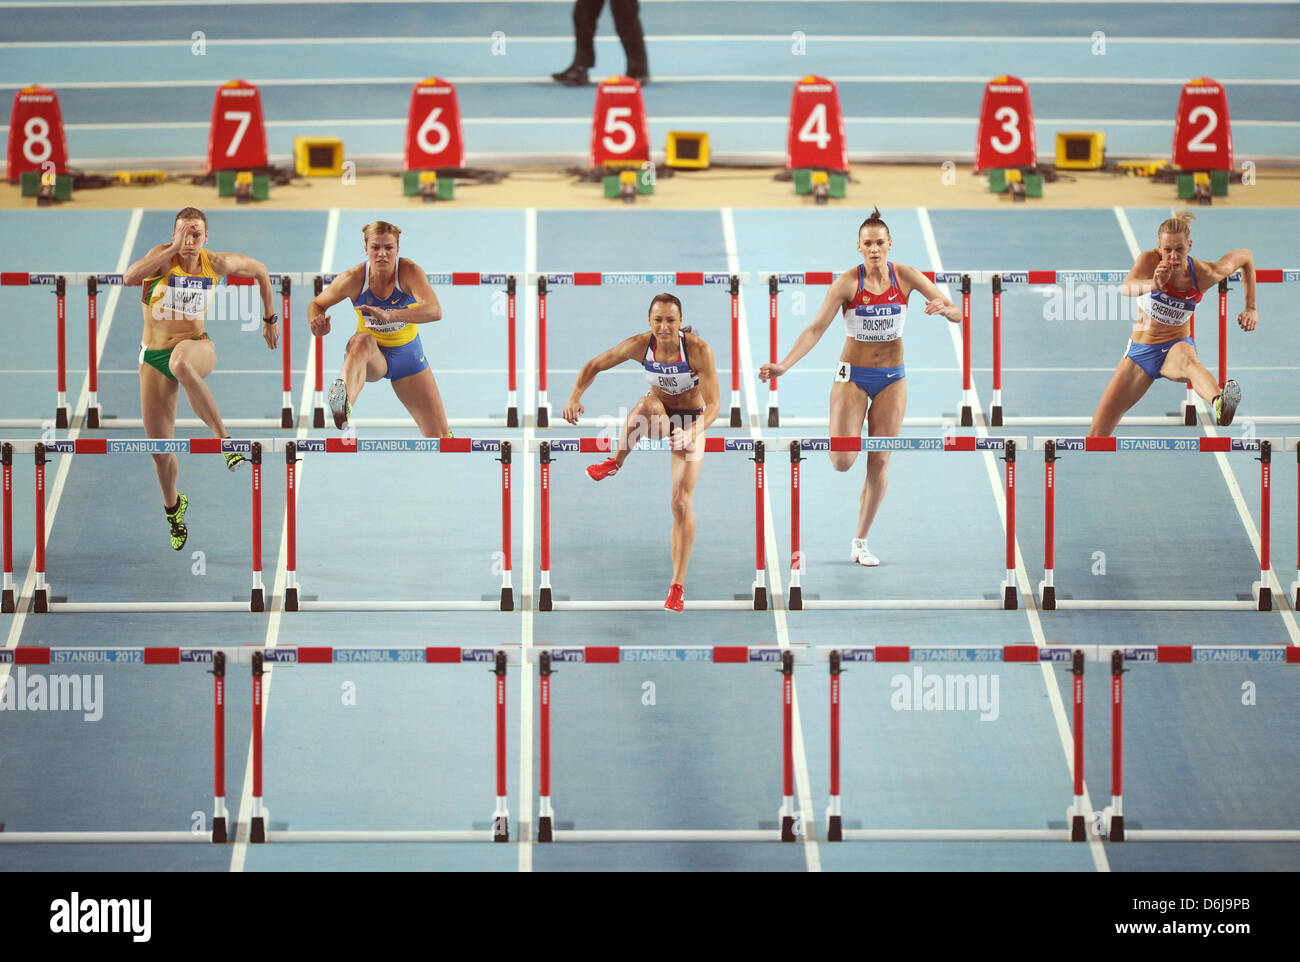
<point>273,319</point>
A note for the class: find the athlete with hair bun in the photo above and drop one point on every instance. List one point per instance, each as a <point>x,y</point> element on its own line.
<point>870,380</point>
<point>1168,283</point>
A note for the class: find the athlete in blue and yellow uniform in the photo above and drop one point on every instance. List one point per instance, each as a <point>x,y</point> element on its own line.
<point>1168,283</point>
<point>682,402</point>
<point>870,380</point>
<point>177,281</point>
<point>391,295</point>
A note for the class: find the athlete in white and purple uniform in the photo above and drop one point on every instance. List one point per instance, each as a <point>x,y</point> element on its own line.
<point>1168,283</point>
<point>870,380</point>
<point>682,402</point>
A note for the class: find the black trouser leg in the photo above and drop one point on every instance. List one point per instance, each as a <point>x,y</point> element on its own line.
<point>585,15</point>
<point>627,21</point>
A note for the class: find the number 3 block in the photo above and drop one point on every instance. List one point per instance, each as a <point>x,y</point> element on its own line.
<point>1006,131</point>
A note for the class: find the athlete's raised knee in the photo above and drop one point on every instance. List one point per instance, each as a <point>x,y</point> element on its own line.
<point>360,344</point>
<point>843,460</point>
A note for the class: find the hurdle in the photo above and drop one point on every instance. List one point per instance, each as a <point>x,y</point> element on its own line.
<point>547,448</point>
<point>94,417</point>
<point>1007,590</point>
<point>1261,591</point>
<point>1293,444</point>
<point>24,655</point>
<point>1113,814</point>
<point>547,657</point>
<point>660,279</point>
<point>836,657</point>
<point>43,602</point>
<point>507,282</point>
<point>261,659</point>
<point>1069,278</point>
<point>774,279</point>
<point>293,601</point>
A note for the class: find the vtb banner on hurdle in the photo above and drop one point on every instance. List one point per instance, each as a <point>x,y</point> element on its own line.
<point>660,279</point>
<point>94,418</point>
<point>1052,447</point>
<point>261,660</point>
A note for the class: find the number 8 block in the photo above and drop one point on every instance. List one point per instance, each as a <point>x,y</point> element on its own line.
<point>36,133</point>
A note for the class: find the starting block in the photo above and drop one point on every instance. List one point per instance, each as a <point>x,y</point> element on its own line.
<point>47,188</point>
<point>626,184</point>
<point>243,185</point>
<point>131,178</point>
<point>1142,168</point>
<point>1019,184</point>
<point>428,185</point>
<point>821,184</point>
<point>1203,186</point>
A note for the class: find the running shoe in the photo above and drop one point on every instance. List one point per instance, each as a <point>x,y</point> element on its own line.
<point>338,402</point>
<point>674,602</point>
<point>861,554</point>
<point>177,521</point>
<point>606,469</point>
<point>234,459</point>
<point>1225,405</point>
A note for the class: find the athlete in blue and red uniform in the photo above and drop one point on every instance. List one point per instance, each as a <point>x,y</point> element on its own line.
<point>870,380</point>
<point>682,402</point>
<point>1168,283</point>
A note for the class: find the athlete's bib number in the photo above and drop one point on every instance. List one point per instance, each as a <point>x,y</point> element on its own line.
<point>842,372</point>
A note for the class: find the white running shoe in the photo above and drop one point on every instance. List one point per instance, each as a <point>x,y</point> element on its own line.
<point>862,555</point>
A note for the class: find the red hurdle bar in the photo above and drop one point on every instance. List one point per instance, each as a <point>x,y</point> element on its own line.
<point>92,355</point>
<point>834,820</point>
<point>1047,587</point>
<point>41,601</point>
<point>543,406</point>
<point>512,394</point>
<point>773,408</point>
<point>995,410</point>
<point>1078,822</point>
<point>501,814</point>
<point>1115,826</point>
<point>1009,593</point>
<point>967,384</point>
<point>8,599</point>
<point>1223,333</point>
<point>507,590</point>
<point>257,831</point>
<point>258,600</point>
<point>286,354</point>
<point>545,816</point>
<point>61,412</point>
<point>787,747</point>
<point>318,401</point>
<point>219,814</point>
<point>544,585</point>
<point>794,597</point>
<point>735,351</point>
<point>291,526</point>
<point>1295,588</point>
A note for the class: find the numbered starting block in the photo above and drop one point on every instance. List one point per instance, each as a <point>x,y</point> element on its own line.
<point>1203,186</point>
<point>627,184</point>
<point>427,185</point>
<point>1018,183</point>
<point>821,184</point>
<point>243,185</point>
<point>48,187</point>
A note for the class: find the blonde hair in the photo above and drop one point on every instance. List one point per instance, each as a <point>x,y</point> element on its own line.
<point>1180,223</point>
<point>381,227</point>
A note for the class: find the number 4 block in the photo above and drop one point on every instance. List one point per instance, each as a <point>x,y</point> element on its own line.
<point>815,138</point>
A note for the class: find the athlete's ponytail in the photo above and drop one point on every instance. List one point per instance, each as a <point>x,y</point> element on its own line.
<point>875,221</point>
<point>1180,223</point>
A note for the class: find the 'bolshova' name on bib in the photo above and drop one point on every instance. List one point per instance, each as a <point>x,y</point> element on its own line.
<point>875,317</point>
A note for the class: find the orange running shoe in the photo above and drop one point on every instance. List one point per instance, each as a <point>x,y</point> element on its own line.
<point>606,469</point>
<point>674,602</point>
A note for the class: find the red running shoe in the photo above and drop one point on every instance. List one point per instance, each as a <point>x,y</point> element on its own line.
<point>674,602</point>
<point>606,469</point>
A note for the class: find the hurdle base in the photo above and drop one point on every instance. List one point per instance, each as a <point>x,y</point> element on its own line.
<point>286,418</point>
<point>967,416</point>
<point>544,829</point>
<point>543,418</point>
<point>834,828</point>
<point>92,417</point>
<point>61,417</point>
<point>257,601</point>
<point>512,417</point>
<point>1115,828</point>
<point>219,831</point>
<point>290,599</point>
<point>41,601</point>
<point>500,828</point>
<point>787,829</point>
<point>1078,828</point>
<point>760,598</point>
<point>1010,599</point>
<point>1263,596</point>
<point>257,831</point>
<point>507,599</point>
<point>7,603</point>
<point>544,600</point>
<point>1189,415</point>
<point>795,600</point>
<point>735,416</point>
<point>1295,595</point>
<point>995,416</point>
<point>1048,594</point>
<point>318,418</point>
<point>773,417</point>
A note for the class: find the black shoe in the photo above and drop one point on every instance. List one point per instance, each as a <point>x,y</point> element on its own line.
<point>574,76</point>
<point>641,76</point>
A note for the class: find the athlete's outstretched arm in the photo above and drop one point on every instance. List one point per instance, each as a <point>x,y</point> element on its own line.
<point>839,294</point>
<point>626,350</point>
<point>1241,259</point>
<point>935,303</point>
<point>344,286</point>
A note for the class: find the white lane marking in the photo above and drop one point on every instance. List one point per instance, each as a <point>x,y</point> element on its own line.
<point>65,460</point>
<point>526,400</point>
<point>1024,585</point>
<point>803,781</point>
<point>239,854</point>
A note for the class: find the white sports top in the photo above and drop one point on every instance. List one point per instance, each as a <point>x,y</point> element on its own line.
<point>675,377</point>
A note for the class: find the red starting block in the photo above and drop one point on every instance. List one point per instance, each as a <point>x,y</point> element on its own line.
<point>1202,130</point>
<point>815,137</point>
<point>433,132</point>
<point>36,133</point>
<point>237,135</point>
<point>620,134</point>
<point>1006,130</point>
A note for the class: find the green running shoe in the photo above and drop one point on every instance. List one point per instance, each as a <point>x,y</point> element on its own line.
<point>338,402</point>
<point>177,521</point>
<point>234,459</point>
<point>1225,405</point>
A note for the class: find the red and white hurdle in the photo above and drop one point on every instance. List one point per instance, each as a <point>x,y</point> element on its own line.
<point>548,448</point>
<point>661,279</point>
<point>41,601</point>
<point>1261,591</point>
<point>774,279</point>
<point>508,283</point>
<point>94,415</point>
<point>1008,594</point>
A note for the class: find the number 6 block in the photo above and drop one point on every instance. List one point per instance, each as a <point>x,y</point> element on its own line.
<point>433,132</point>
